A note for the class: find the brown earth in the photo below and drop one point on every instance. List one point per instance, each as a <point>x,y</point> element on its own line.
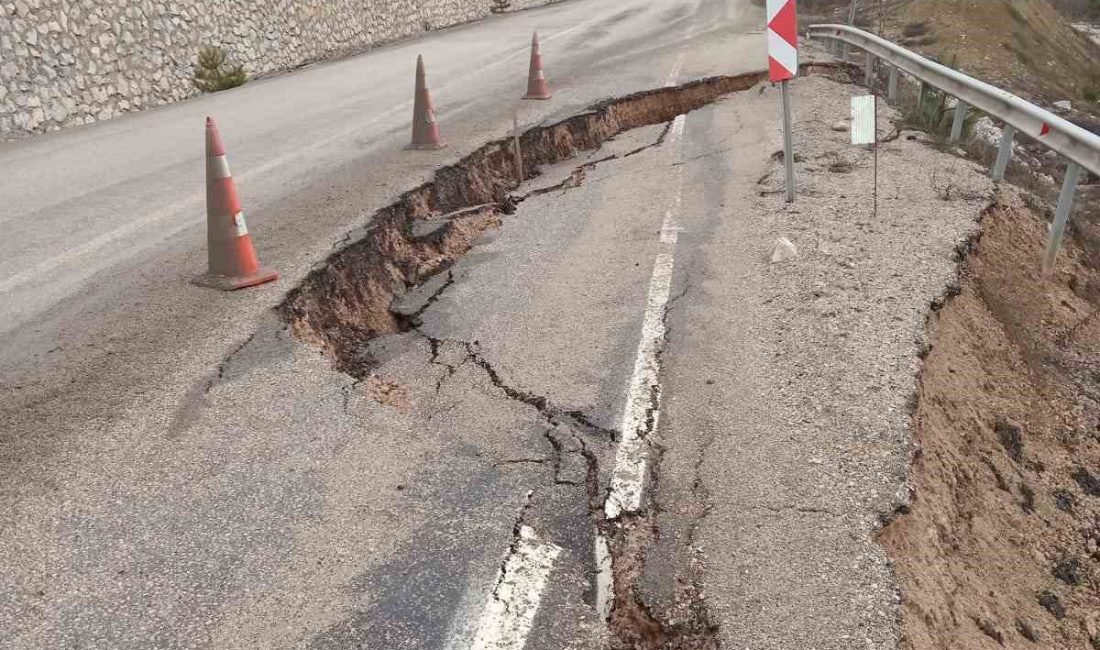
<point>1026,46</point>
<point>1000,545</point>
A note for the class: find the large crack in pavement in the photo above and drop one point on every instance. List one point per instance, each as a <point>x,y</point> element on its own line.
<point>350,299</point>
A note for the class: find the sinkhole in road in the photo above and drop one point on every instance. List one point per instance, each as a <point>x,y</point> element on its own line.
<point>349,299</point>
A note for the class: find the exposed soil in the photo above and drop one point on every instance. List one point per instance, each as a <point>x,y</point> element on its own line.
<point>1000,546</point>
<point>1027,46</point>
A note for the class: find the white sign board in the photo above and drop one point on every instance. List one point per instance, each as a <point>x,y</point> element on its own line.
<point>863,119</point>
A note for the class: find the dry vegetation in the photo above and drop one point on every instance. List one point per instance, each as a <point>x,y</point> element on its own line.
<point>1026,46</point>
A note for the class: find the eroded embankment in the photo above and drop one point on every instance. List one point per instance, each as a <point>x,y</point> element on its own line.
<point>346,302</point>
<point>1001,546</point>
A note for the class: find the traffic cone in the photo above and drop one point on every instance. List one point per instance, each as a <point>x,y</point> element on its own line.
<point>536,78</point>
<point>425,131</point>
<point>232,260</point>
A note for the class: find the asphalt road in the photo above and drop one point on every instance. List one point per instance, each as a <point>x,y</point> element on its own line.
<point>178,472</point>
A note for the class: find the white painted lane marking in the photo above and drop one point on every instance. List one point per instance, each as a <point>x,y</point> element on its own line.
<point>675,73</point>
<point>677,130</point>
<point>643,404</point>
<point>643,398</point>
<point>605,583</point>
<point>669,230</point>
<point>517,593</point>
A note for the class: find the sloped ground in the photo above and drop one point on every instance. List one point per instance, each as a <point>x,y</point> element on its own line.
<point>1024,45</point>
<point>1001,545</point>
<point>1027,46</point>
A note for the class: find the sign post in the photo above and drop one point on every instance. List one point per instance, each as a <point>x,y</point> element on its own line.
<point>782,67</point>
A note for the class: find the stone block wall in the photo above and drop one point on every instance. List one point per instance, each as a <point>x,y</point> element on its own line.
<point>69,62</point>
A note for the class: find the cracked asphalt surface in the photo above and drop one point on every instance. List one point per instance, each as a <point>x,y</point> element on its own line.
<point>178,472</point>
<point>195,477</point>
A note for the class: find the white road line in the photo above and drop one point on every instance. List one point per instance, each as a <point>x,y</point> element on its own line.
<point>677,132</point>
<point>669,230</point>
<point>517,593</point>
<point>605,583</point>
<point>675,73</point>
<point>643,398</point>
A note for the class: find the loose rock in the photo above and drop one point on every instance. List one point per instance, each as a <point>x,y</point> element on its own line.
<point>783,250</point>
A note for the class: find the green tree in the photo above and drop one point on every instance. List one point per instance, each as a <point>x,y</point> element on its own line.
<point>214,71</point>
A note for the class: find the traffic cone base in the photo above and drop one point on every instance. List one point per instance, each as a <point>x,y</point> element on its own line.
<point>426,147</point>
<point>542,95</point>
<point>232,283</point>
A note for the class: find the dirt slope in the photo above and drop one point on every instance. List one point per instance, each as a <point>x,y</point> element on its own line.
<point>1027,46</point>
<point>1023,44</point>
<point>1002,544</point>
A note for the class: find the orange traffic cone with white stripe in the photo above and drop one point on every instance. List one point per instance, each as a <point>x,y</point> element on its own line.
<point>425,130</point>
<point>232,259</point>
<point>537,88</point>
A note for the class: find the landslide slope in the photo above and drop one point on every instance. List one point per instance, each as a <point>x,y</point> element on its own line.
<point>1026,45</point>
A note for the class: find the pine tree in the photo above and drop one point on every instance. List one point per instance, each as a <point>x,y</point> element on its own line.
<point>214,72</point>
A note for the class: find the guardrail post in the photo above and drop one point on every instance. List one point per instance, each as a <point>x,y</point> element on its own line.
<point>851,23</point>
<point>921,96</point>
<point>868,69</point>
<point>1004,153</point>
<point>1061,218</point>
<point>892,86</point>
<point>960,120</point>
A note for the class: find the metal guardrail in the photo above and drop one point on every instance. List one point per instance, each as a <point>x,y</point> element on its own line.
<point>1079,146</point>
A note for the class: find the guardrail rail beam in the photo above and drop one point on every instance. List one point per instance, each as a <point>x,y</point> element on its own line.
<point>1078,145</point>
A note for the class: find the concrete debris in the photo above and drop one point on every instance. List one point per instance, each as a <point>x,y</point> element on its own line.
<point>783,251</point>
<point>840,126</point>
<point>1063,105</point>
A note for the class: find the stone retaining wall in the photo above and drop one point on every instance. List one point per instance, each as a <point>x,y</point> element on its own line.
<point>67,62</point>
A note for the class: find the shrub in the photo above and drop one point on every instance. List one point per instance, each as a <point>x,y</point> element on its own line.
<point>214,72</point>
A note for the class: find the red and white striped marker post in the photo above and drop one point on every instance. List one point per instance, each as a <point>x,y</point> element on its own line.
<point>782,67</point>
